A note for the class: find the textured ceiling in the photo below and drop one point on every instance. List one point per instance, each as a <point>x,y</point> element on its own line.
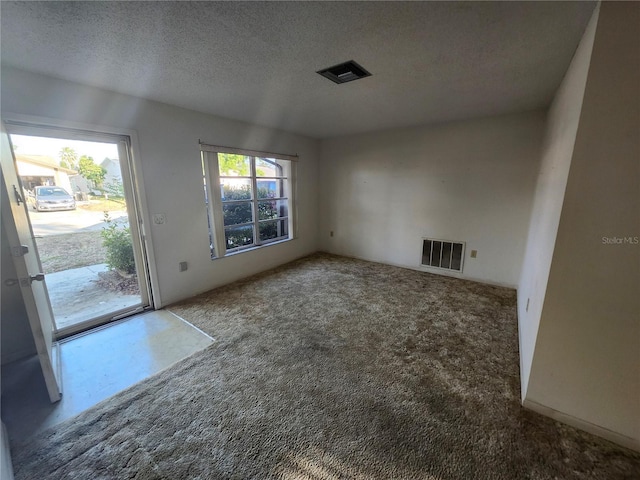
<point>256,61</point>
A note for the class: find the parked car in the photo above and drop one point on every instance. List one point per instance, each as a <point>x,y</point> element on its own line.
<point>51,198</point>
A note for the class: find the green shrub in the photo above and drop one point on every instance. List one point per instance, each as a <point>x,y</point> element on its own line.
<point>119,246</point>
<point>237,213</point>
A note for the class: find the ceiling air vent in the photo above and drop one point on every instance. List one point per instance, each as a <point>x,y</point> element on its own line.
<point>344,72</point>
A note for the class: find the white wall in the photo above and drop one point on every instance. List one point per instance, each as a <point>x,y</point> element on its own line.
<point>471,181</point>
<point>172,176</point>
<point>560,136</point>
<point>586,363</point>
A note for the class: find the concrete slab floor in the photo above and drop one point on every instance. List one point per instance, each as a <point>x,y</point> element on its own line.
<point>76,297</point>
<point>95,366</point>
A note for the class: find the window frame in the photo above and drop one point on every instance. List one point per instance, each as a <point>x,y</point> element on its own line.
<point>215,202</point>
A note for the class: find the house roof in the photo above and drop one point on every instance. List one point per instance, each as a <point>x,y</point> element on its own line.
<point>44,161</point>
<point>257,61</point>
<point>109,162</point>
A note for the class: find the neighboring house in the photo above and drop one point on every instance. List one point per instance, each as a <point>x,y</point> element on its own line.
<point>37,170</point>
<point>79,184</point>
<point>112,166</point>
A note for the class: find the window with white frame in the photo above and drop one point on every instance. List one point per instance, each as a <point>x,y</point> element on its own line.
<point>249,198</point>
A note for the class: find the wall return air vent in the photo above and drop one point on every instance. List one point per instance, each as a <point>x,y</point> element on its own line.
<point>344,72</point>
<point>442,254</point>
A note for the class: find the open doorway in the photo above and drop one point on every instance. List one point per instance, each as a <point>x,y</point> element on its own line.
<point>80,195</point>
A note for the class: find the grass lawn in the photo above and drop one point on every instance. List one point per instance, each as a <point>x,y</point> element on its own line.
<point>102,205</point>
<point>71,250</point>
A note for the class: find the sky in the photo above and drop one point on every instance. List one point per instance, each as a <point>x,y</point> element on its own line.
<point>27,145</point>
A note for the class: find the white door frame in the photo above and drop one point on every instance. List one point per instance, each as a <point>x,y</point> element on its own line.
<point>26,124</point>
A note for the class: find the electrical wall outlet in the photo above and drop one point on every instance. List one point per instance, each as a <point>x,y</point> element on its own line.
<point>474,253</point>
<point>183,266</point>
<point>159,218</point>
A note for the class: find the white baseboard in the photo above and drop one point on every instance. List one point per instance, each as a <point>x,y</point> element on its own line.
<point>615,437</point>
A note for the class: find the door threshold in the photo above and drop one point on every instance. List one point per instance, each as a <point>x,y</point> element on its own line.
<point>95,323</point>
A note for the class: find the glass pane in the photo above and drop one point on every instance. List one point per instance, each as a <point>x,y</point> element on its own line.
<point>456,261</point>
<point>272,209</point>
<point>426,252</point>
<point>274,229</point>
<point>270,188</point>
<point>435,255</point>
<point>91,272</point>
<point>238,236</point>
<point>268,167</point>
<point>235,189</point>
<point>446,255</point>
<point>236,213</point>
<point>234,165</point>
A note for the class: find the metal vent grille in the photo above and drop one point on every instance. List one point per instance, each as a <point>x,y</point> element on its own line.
<point>442,254</point>
<point>344,72</point>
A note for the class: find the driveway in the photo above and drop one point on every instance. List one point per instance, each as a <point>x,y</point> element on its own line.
<point>71,221</point>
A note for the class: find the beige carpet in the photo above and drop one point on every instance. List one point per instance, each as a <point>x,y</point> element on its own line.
<point>332,368</point>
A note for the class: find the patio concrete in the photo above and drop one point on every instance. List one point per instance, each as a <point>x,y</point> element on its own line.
<point>76,297</point>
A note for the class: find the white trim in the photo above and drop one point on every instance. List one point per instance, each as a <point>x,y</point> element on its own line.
<point>99,321</point>
<point>249,153</point>
<point>54,126</point>
<point>212,174</point>
<point>293,205</point>
<point>620,439</point>
<point>136,165</point>
<point>254,202</point>
<point>135,221</point>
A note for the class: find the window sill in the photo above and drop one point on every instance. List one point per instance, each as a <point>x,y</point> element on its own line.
<point>252,249</point>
